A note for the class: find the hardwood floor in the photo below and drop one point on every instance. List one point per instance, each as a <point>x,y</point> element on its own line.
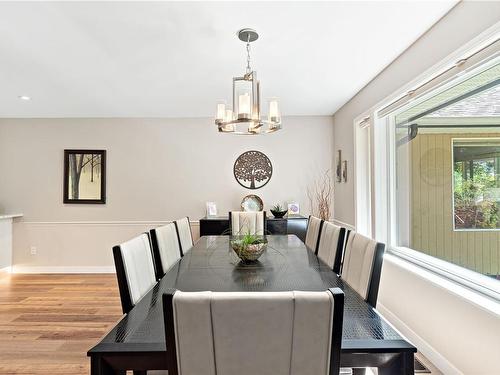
<point>48,322</point>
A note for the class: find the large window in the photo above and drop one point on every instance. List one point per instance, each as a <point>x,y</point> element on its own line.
<point>446,161</point>
<point>476,184</point>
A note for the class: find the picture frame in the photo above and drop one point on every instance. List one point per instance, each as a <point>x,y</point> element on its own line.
<point>211,209</point>
<point>293,208</point>
<point>84,176</point>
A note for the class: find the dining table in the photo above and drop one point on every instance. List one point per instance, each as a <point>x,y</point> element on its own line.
<point>137,341</point>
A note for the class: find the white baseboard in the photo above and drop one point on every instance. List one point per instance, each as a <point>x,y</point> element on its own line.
<point>62,269</point>
<point>445,366</point>
<point>7,269</point>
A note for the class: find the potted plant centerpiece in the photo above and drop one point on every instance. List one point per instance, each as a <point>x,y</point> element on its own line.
<point>278,211</point>
<point>249,247</point>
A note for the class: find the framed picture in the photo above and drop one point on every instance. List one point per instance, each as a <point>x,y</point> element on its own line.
<point>211,209</point>
<point>344,171</point>
<point>293,209</point>
<point>84,176</point>
<point>338,169</point>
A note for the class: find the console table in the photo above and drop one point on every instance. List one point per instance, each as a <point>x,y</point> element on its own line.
<point>292,224</point>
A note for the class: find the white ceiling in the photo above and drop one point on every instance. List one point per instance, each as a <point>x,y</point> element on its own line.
<point>176,59</point>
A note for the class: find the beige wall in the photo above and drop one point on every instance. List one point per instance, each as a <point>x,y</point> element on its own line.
<point>157,170</point>
<point>459,335</point>
<point>456,335</point>
<point>463,23</point>
<point>431,208</point>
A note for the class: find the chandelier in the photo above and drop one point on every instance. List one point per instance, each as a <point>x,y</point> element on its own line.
<point>245,117</point>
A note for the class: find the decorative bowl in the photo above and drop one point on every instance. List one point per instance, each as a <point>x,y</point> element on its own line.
<point>249,252</point>
<point>279,214</point>
<point>252,203</point>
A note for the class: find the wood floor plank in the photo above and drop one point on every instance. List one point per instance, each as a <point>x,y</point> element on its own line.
<point>48,322</point>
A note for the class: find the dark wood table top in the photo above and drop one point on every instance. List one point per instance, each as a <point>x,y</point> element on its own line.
<point>286,265</point>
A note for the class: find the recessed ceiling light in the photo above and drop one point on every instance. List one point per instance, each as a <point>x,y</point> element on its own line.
<point>24,97</point>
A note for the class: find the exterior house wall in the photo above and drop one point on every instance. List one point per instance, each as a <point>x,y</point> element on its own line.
<point>432,208</point>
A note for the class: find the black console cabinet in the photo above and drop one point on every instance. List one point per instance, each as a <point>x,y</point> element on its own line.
<point>296,224</point>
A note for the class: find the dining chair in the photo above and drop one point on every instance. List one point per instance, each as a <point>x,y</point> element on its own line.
<point>247,333</point>
<point>313,232</point>
<point>242,222</point>
<point>331,245</point>
<point>185,234</point>
<point>362,265</point>
<point>166,248</point>
<point>134,270</point>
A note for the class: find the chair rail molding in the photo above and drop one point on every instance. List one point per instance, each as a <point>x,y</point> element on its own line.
<point>343,224</point>
<point>109,222</point>
<point>75,246</point>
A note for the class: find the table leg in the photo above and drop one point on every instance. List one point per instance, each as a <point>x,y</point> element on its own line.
<point>402,364</point>
<point>359,371</point>
<point>98,366</point>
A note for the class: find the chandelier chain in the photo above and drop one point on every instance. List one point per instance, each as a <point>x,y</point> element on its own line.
<point>248,56</point>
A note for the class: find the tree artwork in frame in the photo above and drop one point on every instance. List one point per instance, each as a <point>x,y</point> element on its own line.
<point>85,176</point>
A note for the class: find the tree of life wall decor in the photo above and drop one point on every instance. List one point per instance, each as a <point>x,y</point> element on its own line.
<point>252,169</point>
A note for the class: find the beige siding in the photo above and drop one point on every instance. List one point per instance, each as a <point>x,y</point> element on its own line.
<point>431,202</point>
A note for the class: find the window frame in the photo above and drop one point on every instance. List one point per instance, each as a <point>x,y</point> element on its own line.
<point>453,184</point>
<point>387,231</point>
<point>382,158</point>
<point>475,281</point>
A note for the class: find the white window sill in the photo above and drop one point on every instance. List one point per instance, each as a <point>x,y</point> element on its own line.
<point>479,289</point>
<point>475,230</point>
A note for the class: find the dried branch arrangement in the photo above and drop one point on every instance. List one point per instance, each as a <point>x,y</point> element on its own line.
<point>320,196</point>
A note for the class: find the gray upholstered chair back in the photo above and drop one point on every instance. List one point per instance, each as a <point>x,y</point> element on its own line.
<point>248,333</point>
<point>362,265</point>
<point>134,269</point>
<point>247,222</point>
<point>185,235</point>
<point>313,232</point>
<point>166,247</point>
<point>331,245</point>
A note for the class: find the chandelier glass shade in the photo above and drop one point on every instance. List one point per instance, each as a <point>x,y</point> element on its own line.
<point>245,116</point>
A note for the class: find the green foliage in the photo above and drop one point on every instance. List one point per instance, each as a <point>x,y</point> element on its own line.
<point>277,207</point>
<point>247,239</point>
<point>249,247</point>
<point>471,209</point>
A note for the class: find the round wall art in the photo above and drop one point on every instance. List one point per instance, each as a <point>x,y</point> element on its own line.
<point>253,169</point>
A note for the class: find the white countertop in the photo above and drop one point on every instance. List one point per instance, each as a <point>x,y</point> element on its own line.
<point>9,216</point>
